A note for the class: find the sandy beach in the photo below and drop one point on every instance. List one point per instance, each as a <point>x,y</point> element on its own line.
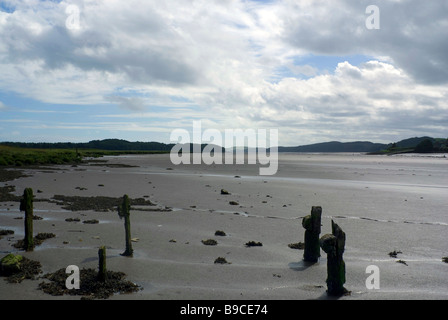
<point>383,203</point>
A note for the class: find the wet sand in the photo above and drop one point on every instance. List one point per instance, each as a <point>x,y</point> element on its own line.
<point>382,203</point>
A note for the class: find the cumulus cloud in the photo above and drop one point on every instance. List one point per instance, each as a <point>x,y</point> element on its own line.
<point>238,63</point>
<point>413,34</point>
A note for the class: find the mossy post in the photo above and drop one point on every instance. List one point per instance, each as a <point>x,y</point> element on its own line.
<point>312,223</point>
<point>102,271</point>
<point>124,212</point>
<point>334,244</point>
<point>26,204</point>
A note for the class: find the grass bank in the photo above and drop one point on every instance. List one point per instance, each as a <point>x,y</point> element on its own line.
<point>19,157</point>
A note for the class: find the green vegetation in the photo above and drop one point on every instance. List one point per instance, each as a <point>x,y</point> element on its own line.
<point>106,145</point>
<point>416,145</point>
<point>14,156</point>
<point>18,157</point>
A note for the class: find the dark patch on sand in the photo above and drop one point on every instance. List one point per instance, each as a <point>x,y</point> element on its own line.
<point>97,203</point>
<point>6,194</point>
<point>4,232</point>
<point>11,174</point>
<point>38,239</point>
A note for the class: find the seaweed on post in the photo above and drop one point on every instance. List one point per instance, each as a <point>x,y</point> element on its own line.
<point>26,204</point>
<point>312,224</point>
<point>124,212</point>
<point>334,245</point>
<point>102,271</point>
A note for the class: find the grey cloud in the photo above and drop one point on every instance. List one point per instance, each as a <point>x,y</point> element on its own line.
<point>138,45</point>
<point>413,33</point>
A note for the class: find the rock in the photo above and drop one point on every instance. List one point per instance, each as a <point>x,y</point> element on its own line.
<point>253,244</point>
<point>394,253</point>
<point>210,242</point>
<point>298,245</point>
<point>224,191</point>
<point>233,203</point>
<point>10,264</point>
<point>221,260</point>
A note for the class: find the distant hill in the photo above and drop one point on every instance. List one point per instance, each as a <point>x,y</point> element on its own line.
<point>107,144</point>
<point>336,146</point>
<point>406,145</point>
<point>104,145</point>
<point>417,145</point>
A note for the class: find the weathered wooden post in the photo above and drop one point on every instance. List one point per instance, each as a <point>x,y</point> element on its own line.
<point>123,212</point>
<point>334,244</point>
<point>26,204</point>
<point>102,272</point>
<point>312,223</point>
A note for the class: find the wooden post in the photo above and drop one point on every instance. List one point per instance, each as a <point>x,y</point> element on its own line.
<point>26,204</point>
<point>124,212</point>
<point>102,272</point>
<point>334,244</point>
<point>312,224</point>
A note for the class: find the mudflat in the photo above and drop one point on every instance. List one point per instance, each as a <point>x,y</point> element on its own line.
<point>383,204</point>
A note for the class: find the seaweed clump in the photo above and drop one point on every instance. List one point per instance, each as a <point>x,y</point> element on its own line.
<point>210,242</point>
<point>90,286</point>
<point>393,254</point>
<point>298,245</point>
<point>96,203</point>
<point>253,244</point>
<point>221,260</point>
<point>37,240</point>
<point>17,268</point>
<point>5,232</point>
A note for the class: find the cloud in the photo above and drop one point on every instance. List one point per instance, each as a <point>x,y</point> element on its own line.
<point>412,33</point>
<point>128,103</point>
<point>374,100</point>
<point>237,64</point>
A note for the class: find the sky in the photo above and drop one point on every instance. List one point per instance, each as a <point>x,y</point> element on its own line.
<point>316,71</point>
